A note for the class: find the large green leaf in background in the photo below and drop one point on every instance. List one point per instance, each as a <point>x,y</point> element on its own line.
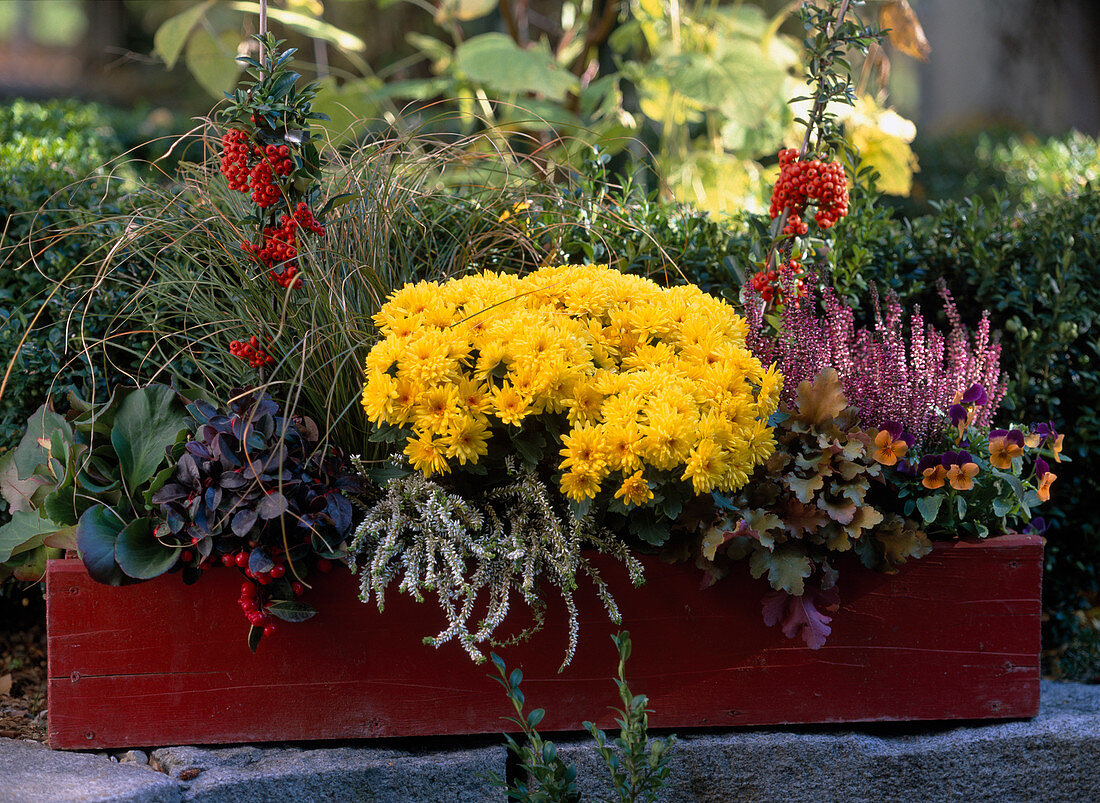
<point>149,420</point>
<point>26,530</point>
<point>212,60</point>
<point>498,63</point>
<point>170,37</point>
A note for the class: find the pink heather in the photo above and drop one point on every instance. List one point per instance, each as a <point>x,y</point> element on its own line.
<point>893,372</point>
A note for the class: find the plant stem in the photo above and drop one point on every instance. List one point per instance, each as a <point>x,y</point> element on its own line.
<point>820,100</point>
<point>263,33</point>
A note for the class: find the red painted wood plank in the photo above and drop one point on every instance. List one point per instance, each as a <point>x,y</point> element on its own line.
<point>954,635</point>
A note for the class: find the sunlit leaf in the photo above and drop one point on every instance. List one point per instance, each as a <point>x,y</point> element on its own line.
<point>211,61</point>
<point>310,26</point>
<point>904,29</point>
<point>498,63</point>
<point>171,36</point>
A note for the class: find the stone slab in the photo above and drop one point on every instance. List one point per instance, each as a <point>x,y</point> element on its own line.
<point>32,773</point>
<point>1055,756</point>
<point>252,775</point>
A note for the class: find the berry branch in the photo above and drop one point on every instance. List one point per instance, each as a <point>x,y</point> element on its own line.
<point>806,178</point>
<point>269,153</point>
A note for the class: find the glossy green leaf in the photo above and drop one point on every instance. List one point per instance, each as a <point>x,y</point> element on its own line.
<point>141,555</point>
<point>148,422</point>
<point>96,534</point>
<point>290,610</point>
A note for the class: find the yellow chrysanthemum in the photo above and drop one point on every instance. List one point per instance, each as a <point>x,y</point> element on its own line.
<point>378,396</point>
<point>436,408</point>
<point>623,446</point>
<point>667,438</point>
<point>706,466</point>
<point>509,405</point>
<point>467,438</point>
<point>584,451</point>
<point>634,490</point>
<point>579,486</point>
<point>427,455</point>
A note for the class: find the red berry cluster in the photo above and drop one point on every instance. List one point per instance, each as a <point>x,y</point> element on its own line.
<point>270,161</point>
<point>770,284</point>
<point>280,244</point>
<point>803,182</point>
<point>250,351</point>
<point>273,161</point>
<point>252,595</point>
<point>235,150</point>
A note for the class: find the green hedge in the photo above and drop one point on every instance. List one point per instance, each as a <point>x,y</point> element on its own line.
<point>51,157</point>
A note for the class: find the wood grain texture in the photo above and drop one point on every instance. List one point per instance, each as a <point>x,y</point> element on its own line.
<point>952,636</point>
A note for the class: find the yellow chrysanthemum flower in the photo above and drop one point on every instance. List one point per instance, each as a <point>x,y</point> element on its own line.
<point>378,397</point>
<point>584,451</point>
<point>467,438</point>
<point>634,490</point>
<point>509,405</point>
<point>427,455</point>
<point>579,486</point>
<point>706,466</point>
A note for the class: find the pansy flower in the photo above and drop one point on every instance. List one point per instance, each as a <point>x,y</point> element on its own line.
<point>976,394</point>
<point>959,418</point>
<point>932,472</point>
<point>1046,477</point>
<point>1004,446</point>
<point>1041,433</point>
<point>1037,525</point>
<point>961,470</point>
<point>890,443</point>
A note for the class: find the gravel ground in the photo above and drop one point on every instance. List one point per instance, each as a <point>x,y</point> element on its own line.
<point>23,667</point>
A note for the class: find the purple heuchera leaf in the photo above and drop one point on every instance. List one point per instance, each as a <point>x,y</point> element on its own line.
<point>801,615</point>
<point>975,394</point>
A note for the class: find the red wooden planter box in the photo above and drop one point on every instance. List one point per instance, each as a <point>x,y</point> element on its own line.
<point>952,636</point>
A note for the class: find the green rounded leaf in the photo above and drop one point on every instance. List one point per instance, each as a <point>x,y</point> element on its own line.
<point>148,422</point>
<point>96,533</point>
<point>140,554</point>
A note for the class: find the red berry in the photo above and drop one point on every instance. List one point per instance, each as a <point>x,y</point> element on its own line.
<point>242,559</point>
<point>228,560</point>
<point>269,629</point>
<point>297,588</point>
<point>324,565</point>
<point>278,571</point>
